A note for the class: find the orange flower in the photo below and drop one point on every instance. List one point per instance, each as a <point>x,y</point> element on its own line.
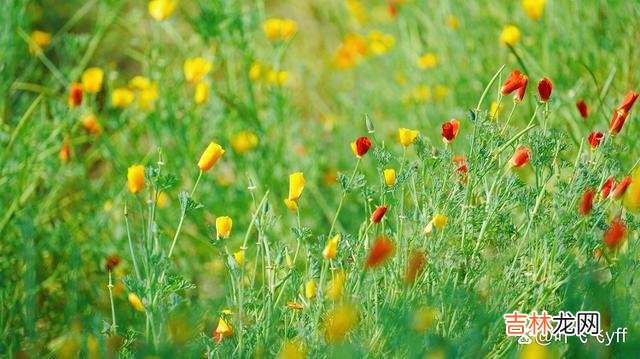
<point>621,188</point>
<point>621,113</point>
<point>65,151</point>
<point>515,81</point>
<point>210,156</point>
<point>586,202</point>
<point>544,89</point>
<point>520,157</point>
<point>75,95</point>
<point>294,305</point>
<point>382,248</point>
<point>615,234</point>
<point>416,264</point>
<point>91,124</point>
<point>605,190</point>
<point>595,138</point>
<point>222,330</point>
<point>377,215</point>
<point>582,108</point>
<point>450,130</point>
<point>361,146</point>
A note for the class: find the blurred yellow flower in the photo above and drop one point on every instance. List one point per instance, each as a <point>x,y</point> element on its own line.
<point>222,330</point>
<point>421,93</point>
<point>223,226</point>
<point>210,156</point>
<point>121,97</point>
<point>161,9</point>
<point>135,178</point>
<point>427,61</point>
<point>92,79</point>
<point>255,71</point>
<point>239,257</point>
<point>352,49</point>
<point>139,83</point>
<point>380,43</point>
<point>335,287</point>
<point>439,220</point>
<point>292,349</point>
<point>338,322</point>
<point>163,200</point>
<point>495,110</point>
<point>453,22</point>
<point>91,124</point>
<point>202,93</point>
<point>533,8</point>
<point>631,199</point>
<point>440,92</point>
<point>331,249</point>
<point>389,176</point>
<point>148,96</point>
<point>279,29</point>
<point>510,35</point>
<point>135,302</point>
<point>407,136</point>
<point>40,40</point>
<point>358,11</point>
<point>423,319</point>
<point>277,77</point>
<point>535,351</point>
<point>310,289</point>
<point>296,185</point>
<point>195,69</point>
<point>244,141</point>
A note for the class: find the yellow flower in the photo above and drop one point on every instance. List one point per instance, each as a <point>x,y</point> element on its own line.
<point>255,71</point>
<point>407,136</point>
<point>292,349</point>
<point>163,200</point>
<point>239,257</point>
<point>427,61</point>
<point>161,9</point>
<point>335,287</point>
<point>244,141</point>
<point>352,49</point>
<point>423,319</point>
<point>202,93</point>
<point>223,226</point>
<point>121,97</point>
<point>495,110</point>
<point>439,220</point>
<point>135,178</point>
<point>223,329</point>
<point>91,124</point>
<point>453,22</point>
<point>292,205</point>
<point>380,43</point>
<point>631,199</point>
<point>195,69</point>
<point>136,303</point>
<point>331,248</point>
<point>510,35</point>
<point>296,185</point>
<point>338,322</point>
<point>279,29</point>
<point>148,96</point>
<point>421,93</point>
<point>389,176</point>
<point>357,10</point>
<point>278,78</point>
<point>40,40</point>
<point>533,8</point>
<point>92,79</point>
<point>210,156</point>
<point>139,83</point>
<point>310,289</point>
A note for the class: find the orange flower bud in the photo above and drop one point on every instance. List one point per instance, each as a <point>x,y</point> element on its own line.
<point>416,264</point>
<point>594,139</point>
<point>605,190</point>
<point>361,146</point>
<point>615,234</point>
<point>75,95</point>
<point>520,157</point>
<point>377,215</point>
<point>586,202</point>
<point>582,108</point>
<point>65,151</point>
<point>382,248</point>
<point>210,156</point>
<point>621,188</point>
<point>515,81</point>
<point>621,113</point>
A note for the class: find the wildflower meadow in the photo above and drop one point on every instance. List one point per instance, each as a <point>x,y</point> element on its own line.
<point>319,179</point>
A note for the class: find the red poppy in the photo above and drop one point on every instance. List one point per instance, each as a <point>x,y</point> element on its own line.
<point>361,146</point>
<point>586,202</point>
<point>75,95</point>
<point>582,108</point>
<point>605,190</point>
<point>621,188</point>
<point>450,130</point>
<point>544,89</point>
<point>520,157</point>
<point>377,215</point>
<point>515,81</point>
<point>616,233</point>
<point>595,138</point>
<point>628,101</point>
<point>382,248</point>
<point>621,113</point>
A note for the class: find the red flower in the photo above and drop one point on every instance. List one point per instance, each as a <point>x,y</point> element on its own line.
<point>111,262</point>
<point>582,108</point>
<point>361,146</point>
<point>595,138</point>
<point>628,101</point>
<point>516,80</point>
<point>75,95</point>
<point>616,233</point>
<point>450,130</point>
<point>416,264</point>
<point>520,157</point>
<point>621,113</point>
<point>461,173</point>
<point>605,190</point>
<point>377,215</point>
<point>621,188</point>
<point>544,89</point>
<point>391,7</point>
<point>586,202</point>
<point>382,248</point>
